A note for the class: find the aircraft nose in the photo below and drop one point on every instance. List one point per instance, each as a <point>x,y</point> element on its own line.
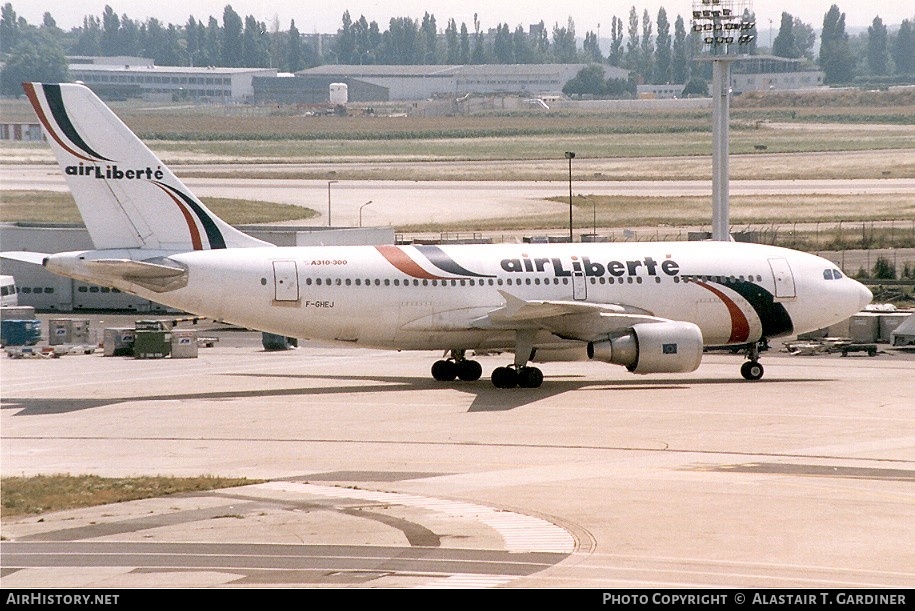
<point>864,296</point>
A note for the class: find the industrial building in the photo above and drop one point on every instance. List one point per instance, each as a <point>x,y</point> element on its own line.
<point>376,83</point>
<point>773,73</point>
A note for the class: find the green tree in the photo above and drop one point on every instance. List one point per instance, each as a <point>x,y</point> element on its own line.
<point>884,269</point>
<point>212,44</point>
<point>255,44</point>
<point>680,61</point>
<point>346,41</point>
<point>232,44</point>
<point>110,41</point>
<point>502,45</point>
<point>9,28</point>
<point>464,56</point>
<point>835,53</point>
<point>295,55</point>
<point>129,36</point>
<point>452,46</point>
<point>904,49</point>
<point>590,48</point>
<point>90,34</point>
<point>878,57</point>
<point>588,81</point>
<point>428,39</point>
<point>663,64</point>
<point>784,44</point>
<point>633,46</point>
<point>646,53</point>
<point>478,54</point>
<point>565,49</point>
<point>522,50</point>
<point>696,87</point>
<point>615,57</point>
<point>36,57</point>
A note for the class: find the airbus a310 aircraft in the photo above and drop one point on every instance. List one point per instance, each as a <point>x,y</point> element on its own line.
<point>650,307</point>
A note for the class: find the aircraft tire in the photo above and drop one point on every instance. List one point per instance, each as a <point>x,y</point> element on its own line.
<point>469,371</point>
<point>530,377</point>
<point>504,377</point>
<point>751,370</point>
<point>444,371</point>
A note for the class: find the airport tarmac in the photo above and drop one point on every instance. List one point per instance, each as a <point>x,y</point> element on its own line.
<point>367,473</point>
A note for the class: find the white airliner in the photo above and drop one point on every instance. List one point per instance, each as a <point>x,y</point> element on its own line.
<point>650,307</point>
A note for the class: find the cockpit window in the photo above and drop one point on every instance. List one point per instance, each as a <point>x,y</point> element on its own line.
<point>836,274</point>
<point>832,274</point>
<point>827,274</point>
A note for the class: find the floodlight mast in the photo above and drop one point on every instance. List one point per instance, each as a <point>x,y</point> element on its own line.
<point>723,30</point>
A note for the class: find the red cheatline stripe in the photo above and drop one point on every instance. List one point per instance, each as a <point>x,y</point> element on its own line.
<point>399,259</point>
<point>33,98</point>
<point>740,326</point>
<point>191,225</point>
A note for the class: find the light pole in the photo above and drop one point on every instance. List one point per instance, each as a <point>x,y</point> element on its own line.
<point>329,183</point>
<point>570,156</point>
<point>360,211</point>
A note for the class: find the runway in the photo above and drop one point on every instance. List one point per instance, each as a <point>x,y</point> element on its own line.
<point>367,473</point>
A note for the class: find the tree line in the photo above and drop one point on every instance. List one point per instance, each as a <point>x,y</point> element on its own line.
<point>654,49</point>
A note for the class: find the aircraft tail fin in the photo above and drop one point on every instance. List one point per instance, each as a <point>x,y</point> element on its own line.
<point>127,197</point>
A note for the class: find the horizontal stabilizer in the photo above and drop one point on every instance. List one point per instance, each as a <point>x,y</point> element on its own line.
<point>135,269</point>
<point>156,276</point>
<point>36,258</point>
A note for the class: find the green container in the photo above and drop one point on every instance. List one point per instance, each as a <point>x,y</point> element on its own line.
<point>149,344</point>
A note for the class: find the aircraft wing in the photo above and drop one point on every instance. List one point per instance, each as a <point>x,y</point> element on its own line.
<point>567,319</point>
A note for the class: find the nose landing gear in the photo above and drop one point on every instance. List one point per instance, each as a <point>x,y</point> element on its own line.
<point>753,370</point>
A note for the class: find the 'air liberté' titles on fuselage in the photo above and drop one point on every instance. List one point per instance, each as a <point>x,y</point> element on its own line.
<point>591,268</point>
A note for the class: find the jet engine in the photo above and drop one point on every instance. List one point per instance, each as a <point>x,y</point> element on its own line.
<point>662,347</point>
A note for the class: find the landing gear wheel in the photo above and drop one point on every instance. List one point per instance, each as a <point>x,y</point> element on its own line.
<point>504,377</point>
<point>469,371</point>
<point>530,377</point>
<point>444,371</point>
<point>751,370</point>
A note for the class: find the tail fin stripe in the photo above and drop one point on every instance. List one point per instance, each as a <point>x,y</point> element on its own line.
<point>39,110</point>
<point>56,103</point>
<point>191,225</point>
<point>214,236</point>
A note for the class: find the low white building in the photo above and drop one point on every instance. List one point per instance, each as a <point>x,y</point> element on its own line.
<point>146,80</point>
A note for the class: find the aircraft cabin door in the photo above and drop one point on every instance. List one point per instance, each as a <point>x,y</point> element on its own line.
<point>285,281</point>
<point>784,279</point>
<point>579,286</point>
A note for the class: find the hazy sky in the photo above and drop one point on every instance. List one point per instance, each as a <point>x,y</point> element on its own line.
<point>324,17</point>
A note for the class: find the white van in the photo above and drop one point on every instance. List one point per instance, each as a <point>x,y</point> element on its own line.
<point>8,294</point>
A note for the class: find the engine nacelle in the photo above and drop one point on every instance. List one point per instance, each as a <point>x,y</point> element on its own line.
<point>662,347</point>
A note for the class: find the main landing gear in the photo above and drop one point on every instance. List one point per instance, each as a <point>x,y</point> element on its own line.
<point>519,373</point>
<point>457,366</point>
<point>752,369</point>
<point>511,376</point>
